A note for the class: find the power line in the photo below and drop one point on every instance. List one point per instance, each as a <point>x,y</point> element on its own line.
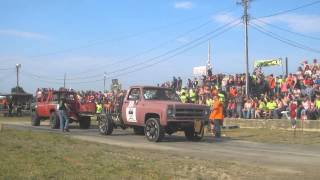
<point>290,10</point>
<point>98,42</point>
<point>286,30</point>
<point>182,50</point>
<point>168,58</point>
<point>147,51</point>
<point>154,58</point>
<point>284,40</point>
<point>178,53</point>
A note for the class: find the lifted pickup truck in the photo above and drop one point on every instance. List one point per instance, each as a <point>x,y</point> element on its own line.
<point>47,105</point>
<point>154,111</point>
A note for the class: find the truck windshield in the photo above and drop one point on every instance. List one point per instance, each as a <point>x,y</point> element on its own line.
<point>160,94</point>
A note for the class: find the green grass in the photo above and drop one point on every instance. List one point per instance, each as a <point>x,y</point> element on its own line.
<point>14,119</point>
<point>35,155</point>
<point>274,136</point>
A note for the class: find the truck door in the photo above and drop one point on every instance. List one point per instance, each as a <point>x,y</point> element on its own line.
<point>42,108</point>
<point>131,107</point>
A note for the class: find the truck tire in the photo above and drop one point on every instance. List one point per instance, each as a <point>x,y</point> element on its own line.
<point>105,125</point>
<point>153,130</point>
<point>84,122</point>
<point>35,119</point>
<point>54,120</point>
<point>138,130</point>
<point>191,135</point>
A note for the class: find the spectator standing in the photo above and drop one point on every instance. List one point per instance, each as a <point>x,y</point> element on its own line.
<point>63,111</point>
<point>216,116</point>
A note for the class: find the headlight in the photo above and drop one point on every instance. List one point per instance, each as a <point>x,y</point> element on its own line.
<point>170,112</point>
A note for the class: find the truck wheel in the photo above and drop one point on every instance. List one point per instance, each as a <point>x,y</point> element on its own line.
<point>54,120</point>
<point>194,136</point>
<point>138,130</point>
<point>105,125</point>
<point>84,122</point>
<point>153,130</point>
<point>35,120</point>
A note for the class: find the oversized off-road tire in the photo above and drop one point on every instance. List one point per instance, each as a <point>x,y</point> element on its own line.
<point>54,120</point>
<point>153,131</point>
<point>138,130</point>
<point>35,119</point>
<point>105,124</point>
<point>191,135</point>
<point>84,122</point>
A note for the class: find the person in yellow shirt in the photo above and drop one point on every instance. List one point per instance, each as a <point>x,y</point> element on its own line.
<point>271,106</point>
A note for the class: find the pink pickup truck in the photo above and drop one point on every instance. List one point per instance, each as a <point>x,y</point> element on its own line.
<point>154,111</point>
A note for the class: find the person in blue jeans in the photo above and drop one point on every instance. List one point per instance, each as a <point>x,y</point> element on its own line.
<point>64,120</point>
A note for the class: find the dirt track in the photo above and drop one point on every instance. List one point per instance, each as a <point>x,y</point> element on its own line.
<point>297,159</point>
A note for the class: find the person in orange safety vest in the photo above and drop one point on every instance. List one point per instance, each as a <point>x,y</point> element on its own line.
<point>216,116</point>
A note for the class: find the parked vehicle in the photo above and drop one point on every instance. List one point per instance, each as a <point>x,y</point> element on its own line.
<point>154,111</point>
<point>47,105</point>
<point>16,104</point>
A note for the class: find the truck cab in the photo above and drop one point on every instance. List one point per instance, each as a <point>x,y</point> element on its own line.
<point>155,111</point>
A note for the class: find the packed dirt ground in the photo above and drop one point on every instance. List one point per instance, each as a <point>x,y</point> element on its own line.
<point>247,134</point>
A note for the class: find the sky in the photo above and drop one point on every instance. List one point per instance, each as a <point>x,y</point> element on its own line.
<point>143,42</point>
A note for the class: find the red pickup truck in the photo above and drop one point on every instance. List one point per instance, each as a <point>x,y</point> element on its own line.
<point>47,104</point>
<point>154,111</point>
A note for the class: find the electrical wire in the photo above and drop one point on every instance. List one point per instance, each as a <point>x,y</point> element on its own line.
<point>286,30</point>
<point>186,48</point>
<point>170,57</point>
<point>290,10</point>
<point>150,59</point>
<point>133,35</point>
<point>282,39</point>
<point>168,52</point>
<point>146,51</point>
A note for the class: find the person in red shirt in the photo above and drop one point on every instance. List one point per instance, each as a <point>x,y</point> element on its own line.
<point>272,85</point>
<point>293,113</point>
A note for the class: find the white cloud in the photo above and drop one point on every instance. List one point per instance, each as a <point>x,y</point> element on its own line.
<point>298,22</point>
<point>183,5</point>
<point>183,40</point>
<point>224,18</point>
<point>22,34</point>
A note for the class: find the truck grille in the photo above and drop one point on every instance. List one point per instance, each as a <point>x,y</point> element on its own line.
<point>189,113</point>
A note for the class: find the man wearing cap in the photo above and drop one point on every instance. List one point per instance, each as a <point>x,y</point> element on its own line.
<point>216,116</point>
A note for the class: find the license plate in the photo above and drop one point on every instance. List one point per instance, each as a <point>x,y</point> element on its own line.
<point>197,126</point>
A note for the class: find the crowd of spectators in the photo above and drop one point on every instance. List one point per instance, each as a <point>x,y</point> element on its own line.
<point>294,96</point>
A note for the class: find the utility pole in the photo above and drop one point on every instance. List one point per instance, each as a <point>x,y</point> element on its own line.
<point>64,80</point>
<point>287,66</point>
<point>245,4</point>
<point>18,66</point>
<point>209,66</point>
<point>104,82</point>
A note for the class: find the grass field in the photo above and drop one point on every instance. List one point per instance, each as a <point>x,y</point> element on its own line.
<point>274,136</point>
<point>35,155</point>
